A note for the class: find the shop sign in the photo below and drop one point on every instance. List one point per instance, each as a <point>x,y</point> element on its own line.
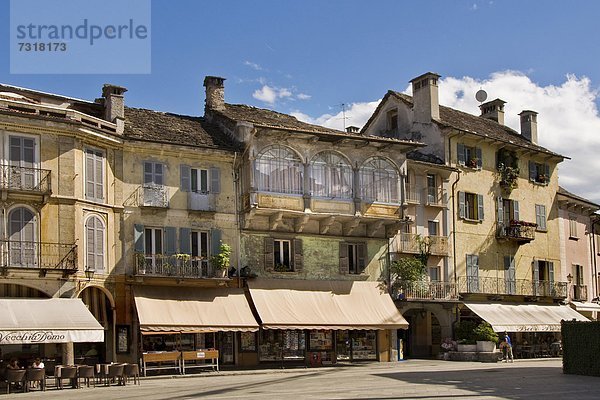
<point>33,336</point>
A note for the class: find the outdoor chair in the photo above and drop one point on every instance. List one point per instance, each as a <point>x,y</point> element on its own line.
<point>115,373</point>
<point>14,376</point>
<point>86,372</point>
<point>35,375</point>
<point>132,371</point>
<point>67,373</point>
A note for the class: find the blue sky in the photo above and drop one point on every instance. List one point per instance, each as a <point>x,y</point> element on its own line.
<point>309,57</point>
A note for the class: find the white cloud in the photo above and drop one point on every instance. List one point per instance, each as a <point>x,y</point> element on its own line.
<point>568,120</point>
<point>303,96</point>
<point>270,94</point>
<point>253,65</point>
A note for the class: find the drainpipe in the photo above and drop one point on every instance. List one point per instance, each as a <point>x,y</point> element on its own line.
<point>457,309</point>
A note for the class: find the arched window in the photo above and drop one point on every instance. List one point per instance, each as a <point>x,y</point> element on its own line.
<point>94,243</point>
<point>331,176</point>
<point>379,181</point>
<point>21,236</point>
<point>280,170</point>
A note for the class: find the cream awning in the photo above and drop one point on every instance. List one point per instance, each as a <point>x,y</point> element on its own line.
<point>31,321</point>
<point>524,317</point>
<point>304,304</point>
<point>177,309</point>
<point>585,306</point>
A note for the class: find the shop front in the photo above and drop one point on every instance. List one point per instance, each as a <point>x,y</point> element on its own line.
<point>323,322</point>
<point>175,320</point>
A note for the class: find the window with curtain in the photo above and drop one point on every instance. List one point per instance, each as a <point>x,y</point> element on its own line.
<point>331,176</point>
<point>278,169</point>
<point>379,181</point>
<point>94,243</point>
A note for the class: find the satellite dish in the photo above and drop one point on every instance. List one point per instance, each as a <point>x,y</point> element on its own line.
<point>481,95</point>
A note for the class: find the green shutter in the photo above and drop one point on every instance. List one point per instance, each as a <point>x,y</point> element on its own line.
<point>185,241</point>
<point>215,180</point>
<point>170,241</point>
<point>185,178</point>
<point>460,153</point>
<point>461,204</point>
<point>480,215</point>
<point>478,156</point>
<point>215,241</point>
<point>500,207</point>
<point>516,210</point>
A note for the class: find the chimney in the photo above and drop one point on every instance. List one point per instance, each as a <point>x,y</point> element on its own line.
<point>352,129</point>
<point>215,93</point>
<point>114,102</point>
<point>529,125</point>
<point>493,110</point>
<point>426,104</point>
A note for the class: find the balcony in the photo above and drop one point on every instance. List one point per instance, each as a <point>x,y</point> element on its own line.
<point>409,243</point>
<point>579,293</point>
<point>413,196</point>
<point>437,291</point>
<point>25,180</point>
<point>519,287</point>
<point>201,202</point>
<point>518,231</point>
<point>38,255</point>
<point>177,266</point>
<point>435,197</point>
<point>156,196</point>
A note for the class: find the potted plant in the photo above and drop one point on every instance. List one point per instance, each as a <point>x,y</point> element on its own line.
<point>473,162</point>
<point>486,338</point>
<point>220,261</point>
<point>465,333</point>
<point>508,176</point>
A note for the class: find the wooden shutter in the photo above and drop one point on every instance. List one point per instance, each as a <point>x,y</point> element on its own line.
<point>460,153</point>
<point>90,243</point>
<point>551,271</point>
<point>170,241</point>
<point>344,266</point>
<point>215,241</point>
<point>361,249</point>
<point>515,205</point>
<point>461,205</point>
<point>500,208</point>
<point>138,238</point>
<point>532,171</point>
<point>480,215</point>
<point>215,180</point>
<point>269,248</point>
<point>89,174</point>
<point>298,257</point>
<point>185,177</point>
<point>184,241</point>
<point>542,217</point>
<point>99,175</point>
<point>536,271</point>
<point>99,239</point>
<point>478,156</point>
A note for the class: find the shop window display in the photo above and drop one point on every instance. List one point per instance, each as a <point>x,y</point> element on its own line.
<point>277,345</point>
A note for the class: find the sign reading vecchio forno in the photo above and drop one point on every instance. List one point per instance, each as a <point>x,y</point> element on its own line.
<point>33,321</point>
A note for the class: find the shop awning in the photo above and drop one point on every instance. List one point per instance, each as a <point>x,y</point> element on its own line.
<point>585,306</point>
<point>305,304</point>
<point>187,310</point>
<point>32,321</point>
<point>524,317</point>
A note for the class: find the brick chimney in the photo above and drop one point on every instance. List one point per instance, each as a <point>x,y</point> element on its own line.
<point>215,93</point>
<point>529,125</point>
<point>426,104</point>
<point>114,102</point>
<point>493,110</point>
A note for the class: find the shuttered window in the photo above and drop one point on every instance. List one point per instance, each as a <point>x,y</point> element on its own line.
<point>283,255</point>
<point>540,216</point>
<point>153,173</point>
<point>94,175</point>
<point>95,243</point>
<point>470,206</point>
<point>469,156</point>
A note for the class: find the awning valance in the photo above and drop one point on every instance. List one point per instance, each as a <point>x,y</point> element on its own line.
<point>525,317</point>
<point>32,321</point>
<point>176,309</point>
<point>585,306</point>
<point>305,304</point>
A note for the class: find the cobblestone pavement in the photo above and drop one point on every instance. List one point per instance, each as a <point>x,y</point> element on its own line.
<point>412,379</point>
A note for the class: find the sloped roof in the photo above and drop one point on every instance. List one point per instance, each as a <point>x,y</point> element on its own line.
<point>156,126</point>
<point>565,192</point>
<point>476,125</point>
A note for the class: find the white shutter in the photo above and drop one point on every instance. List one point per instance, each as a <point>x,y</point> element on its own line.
<point>89,175</point>
<point>99,176</point>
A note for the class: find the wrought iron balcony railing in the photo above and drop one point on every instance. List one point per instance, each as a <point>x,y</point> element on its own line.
<point>518,231</point>
<point>408,243</point>
<point>435,196</point>
<point>404,290</point>
<point>38,255</point>
<point>501,286</point>
<point>24,179</point>
<point>177,265</point>
<point>579,292</point>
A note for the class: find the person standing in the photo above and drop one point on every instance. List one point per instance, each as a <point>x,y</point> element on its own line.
<point>508,353</point>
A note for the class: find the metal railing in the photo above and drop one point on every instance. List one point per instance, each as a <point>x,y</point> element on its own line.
<point>517,231</point>
<point>435,196</point>
<point>407,243</point>
<point>579,292</point>
<point>38,255</point>
<point>154,196</point>
<point>404,290</point>
<point>502,286</point>
<point>177,265</point>
<point>413,195</point>
<point>25,179</point>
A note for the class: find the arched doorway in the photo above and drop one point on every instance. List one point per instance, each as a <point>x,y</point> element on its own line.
<point>100,304</point>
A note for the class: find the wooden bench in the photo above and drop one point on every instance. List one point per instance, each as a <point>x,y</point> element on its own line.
<point>172,358</point>
<point>199,355</point>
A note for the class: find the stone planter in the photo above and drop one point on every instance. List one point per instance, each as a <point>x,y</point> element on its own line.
<point>467,348</point>
<point>484,346</point>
